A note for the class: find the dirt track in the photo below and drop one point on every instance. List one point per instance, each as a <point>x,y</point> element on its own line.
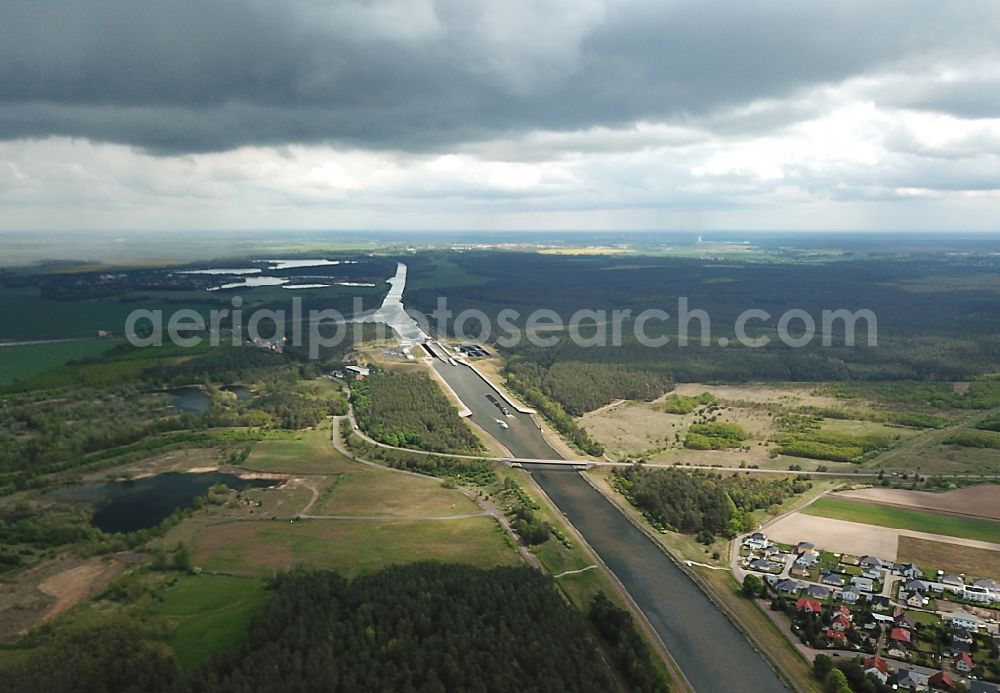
<point>974,501</point>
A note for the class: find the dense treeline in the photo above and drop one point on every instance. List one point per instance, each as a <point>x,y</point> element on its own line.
<point>632,656</point>
<point>549,408</point>
<point>421,627</point>
<point>116,654</point>
<point>694,502</point>
<point>916,329</point>
<point>581,387</point>
<point>409,410</point>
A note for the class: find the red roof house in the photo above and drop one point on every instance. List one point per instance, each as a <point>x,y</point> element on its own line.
<point>810,605</point>
<point>877,667</point>
<point>837,635</point>
<point>900,635</point>
<point>941,681</point>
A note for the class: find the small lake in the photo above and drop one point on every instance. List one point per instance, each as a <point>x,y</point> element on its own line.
<point>192,400</point>
<point>242,392</point>
<point>128,506</point>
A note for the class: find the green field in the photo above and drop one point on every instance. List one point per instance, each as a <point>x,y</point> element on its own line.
<point>208,614</point>
<point>21,362</point>
<point>350,546</point>
<point>305,452</point>
<point>900,518</point>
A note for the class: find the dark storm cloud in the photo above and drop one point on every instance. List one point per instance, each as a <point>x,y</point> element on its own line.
<point>206,76</point>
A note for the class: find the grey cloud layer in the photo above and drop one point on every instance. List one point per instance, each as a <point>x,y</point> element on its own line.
<point>191,76</point>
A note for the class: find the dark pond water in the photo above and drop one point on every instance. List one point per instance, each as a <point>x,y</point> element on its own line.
<point>242,392</point>
<point>129,506</point>
<point>191,400</point>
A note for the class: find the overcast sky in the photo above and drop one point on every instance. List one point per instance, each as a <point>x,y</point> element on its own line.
<point>510,114</point>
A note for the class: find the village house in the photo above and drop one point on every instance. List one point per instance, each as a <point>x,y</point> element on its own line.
<point>914,585</point>
<point>805,547</point>
<point>913,599</point>
<point>787,587</point>
<point>877,667</point>
<point>870,562</point>
<point>909,570</point>
<point>817,592</point>
<point>809,605</point>
<point>901,638</point>
<point>832,579</point>
<point>979,594</point>
<point>953,582</point>
<point>963,663</point>
<point>862,583</point>
<point>965,621</point>
<point>850,595</point>
<point>907,679</point>
<point>880,603</point>
<point>841,624</point>
<point>836,636</point>
<point>941,681</point>
<point>757,541</point>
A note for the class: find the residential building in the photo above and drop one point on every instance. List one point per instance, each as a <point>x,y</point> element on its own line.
<point>810,605</point>
<point>832,579</point>
<point>788,587</point>
<point>870,562</point>
<point>941,681</point>
<point>850,595</point>
<point>963,663</point>
<point>877,667</point>
<point>880,603</point>
<point>818,592</point>
<point>901,636</point>
<point>964,620</point>
<point>862,583</point>
<point>907,679</point>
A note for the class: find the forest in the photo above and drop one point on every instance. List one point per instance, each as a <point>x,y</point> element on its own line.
<point>409,410</point>
<point>919,309</point>
<point>418,627</point>
<point>695,502</point>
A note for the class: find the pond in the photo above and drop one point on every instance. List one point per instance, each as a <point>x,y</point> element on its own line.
<point>242,392</point>
<point>191,400</point>
<point>128,506</point>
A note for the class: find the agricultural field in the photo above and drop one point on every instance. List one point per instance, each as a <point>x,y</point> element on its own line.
<point>22,362</point>
<point>980,501</point>
<point>902,518</point>
<point>951,558</point>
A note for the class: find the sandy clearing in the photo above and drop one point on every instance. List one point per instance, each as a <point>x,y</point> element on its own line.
<point>977,501</point>
<point>793,395</point>
<point>840,536</point>
<point>836,536</point>
<point>72,586</point>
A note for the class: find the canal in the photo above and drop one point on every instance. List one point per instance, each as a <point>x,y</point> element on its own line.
<point>711,652</point>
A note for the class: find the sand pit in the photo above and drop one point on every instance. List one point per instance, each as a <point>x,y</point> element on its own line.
<point>836,536</point>
<point>974,501</point>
